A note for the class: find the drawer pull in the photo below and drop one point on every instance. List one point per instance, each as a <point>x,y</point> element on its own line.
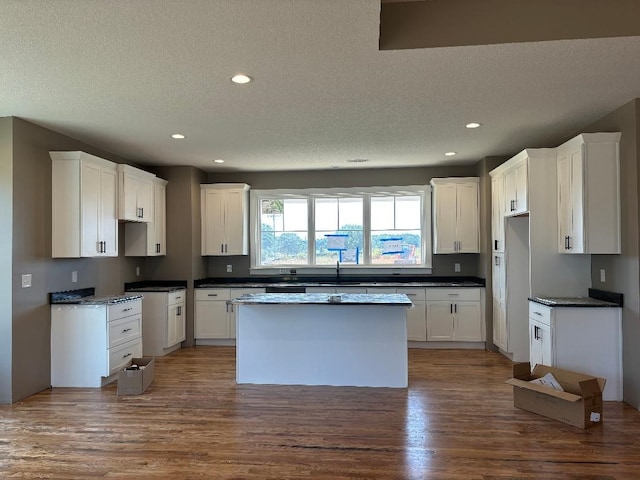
<point>127,355</point>
<point>178,298</point>
<point>537,313</point>
<point>126,309</point>
<point>453,294</point>
<point>126,330</point>
<point>212,294</point>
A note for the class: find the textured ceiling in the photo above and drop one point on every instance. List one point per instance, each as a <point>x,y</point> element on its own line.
<point>123,76</point>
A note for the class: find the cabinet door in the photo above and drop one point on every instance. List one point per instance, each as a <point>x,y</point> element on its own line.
<point>467,325</point>
<point>211,319</point>
<point>497,213</point>
<point>445,218</point>
<point>439,321</point>
<point>235,223</point>
<point>109,212</point>
<point>500,324</point>
<point>90,205</point>
<point>521,182</point>
<point>144,196</point>
<point>417,322</point>
<point>565,224</point>
<point>129,197</point>
<point>498,276</point>
<point>157,233</point>
<point>467,214</point>
<point>213,223</point>
<point>539,344</point>
<point>175,325</point>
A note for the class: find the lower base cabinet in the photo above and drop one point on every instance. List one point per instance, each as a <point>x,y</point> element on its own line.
<point>214,317</point>
<point>454,315</point>
<point>163,322</point>
<point>585,340</point>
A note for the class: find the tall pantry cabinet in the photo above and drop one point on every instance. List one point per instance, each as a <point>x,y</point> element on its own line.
<point>527,263</point>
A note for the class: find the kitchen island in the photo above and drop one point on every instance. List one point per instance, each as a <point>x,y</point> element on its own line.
<point>322,339</point>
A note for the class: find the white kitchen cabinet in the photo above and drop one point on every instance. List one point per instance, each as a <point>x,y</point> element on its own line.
<point>454,314</point>
<point>149,239</point>
<point>90,343</point>
<point>516,187</point>
<point>225,219</point>
<point>135,194</point>
<point>84,206</point>
<point>211,319</point>
<point>214,317</point>
<point>585,340</point>
<point>163,321</point>
<point>416,316</point>
<point>589,194</point>
<point>500,334</point>
<point>456,215</point>
<point>497,213</point>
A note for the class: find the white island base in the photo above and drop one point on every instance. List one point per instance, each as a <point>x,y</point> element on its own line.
<point>315,344</point>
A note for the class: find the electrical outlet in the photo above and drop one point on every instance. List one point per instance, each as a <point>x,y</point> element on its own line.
<point>74,276</point>
<point>229,268</point>
<point>137,271</point>
<point>26,280</point>
<point>602,275</point>
<point>456,267</point>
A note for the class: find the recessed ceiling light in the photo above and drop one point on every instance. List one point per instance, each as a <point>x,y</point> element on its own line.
<point>241,78</point>
<point>218,160</point>
<point>177,136</point>
<point>450,154</point>
<point>473,125</point>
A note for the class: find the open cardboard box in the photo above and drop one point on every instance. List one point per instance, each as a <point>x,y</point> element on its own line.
<point>579,405</point>
<point>135,382</point>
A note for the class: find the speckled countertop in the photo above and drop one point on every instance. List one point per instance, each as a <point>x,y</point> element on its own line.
<point>399,284</point>
<point>323,299</point>
<point>86,296</point>
<point>596,299</point>
<point>580,302</point>
<point>156,289</point>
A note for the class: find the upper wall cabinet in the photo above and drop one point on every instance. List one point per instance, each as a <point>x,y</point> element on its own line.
<point>497,212</point>
<point>589,194</point>
<point>149,239</point>
<point>84,206</point>
<point>225,219</point>
<point>456,215</point>
<point>135,194</point>
<point>515,187</point>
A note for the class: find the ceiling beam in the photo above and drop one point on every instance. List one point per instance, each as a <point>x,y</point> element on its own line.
<point>447,23</point>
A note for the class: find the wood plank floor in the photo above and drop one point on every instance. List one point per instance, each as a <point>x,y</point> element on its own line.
<point>455,421</point>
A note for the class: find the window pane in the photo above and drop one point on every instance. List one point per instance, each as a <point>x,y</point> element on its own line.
<point>408,251</point>
<point>326,213</point>
<point>408,212</point>
<point>283,234</point>
<point>346,249</point>
<point>382,213</point>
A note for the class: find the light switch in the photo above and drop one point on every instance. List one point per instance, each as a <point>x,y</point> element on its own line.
<point>26,280</point>
<point>602,275</point>
<point>74,276</point>
<point>137,271</point>
<point>456,267</point>
<point>229,268</point>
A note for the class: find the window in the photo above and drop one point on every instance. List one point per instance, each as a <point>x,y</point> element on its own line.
<point>364,227</point>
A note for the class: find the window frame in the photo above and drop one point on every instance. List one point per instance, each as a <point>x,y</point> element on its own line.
<point>257,195</point>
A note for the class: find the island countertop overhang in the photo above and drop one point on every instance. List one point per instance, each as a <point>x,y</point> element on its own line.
<point>392,299</point>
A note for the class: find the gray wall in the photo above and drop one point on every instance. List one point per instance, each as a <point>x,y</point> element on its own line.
<point>623,271</point>
<point>6,242</point>
<point>442,264</point>
<point>30,322</point>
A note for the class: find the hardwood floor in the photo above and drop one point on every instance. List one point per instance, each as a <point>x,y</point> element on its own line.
<point>455,421</point>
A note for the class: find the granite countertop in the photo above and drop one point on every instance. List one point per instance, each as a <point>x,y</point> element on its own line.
<point>86,296</point>
<point>596,299</point>
<point>156,288</point>
<point>323,299</point>
<point>581,302</point>
<point>336,284</point>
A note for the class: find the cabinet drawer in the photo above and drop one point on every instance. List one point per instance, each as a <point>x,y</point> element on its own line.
<point>213,294</point>
<point>414,294</point>
<point>126,309</point>
<point>120,356</point>
<point>453,294</point>
<point>541,313</point>
<point>125,329</point>
<point>177,297</point>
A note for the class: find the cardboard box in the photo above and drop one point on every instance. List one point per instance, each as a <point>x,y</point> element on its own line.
<point>579,405</point>
<point>135,382</point>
